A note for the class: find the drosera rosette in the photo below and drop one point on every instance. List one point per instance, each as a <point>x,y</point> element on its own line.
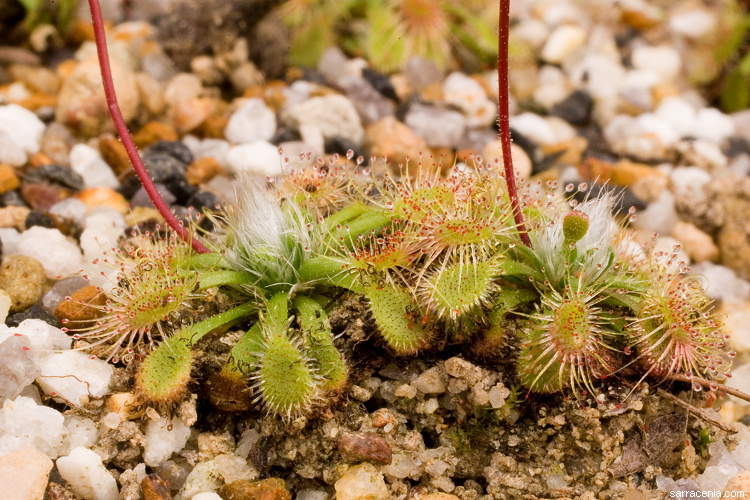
<point>319,186</point>
<point>582,242</point>
<point>568,341</point>
<point>266,241</point>
<point>149,287</point>
<point>674,331</point>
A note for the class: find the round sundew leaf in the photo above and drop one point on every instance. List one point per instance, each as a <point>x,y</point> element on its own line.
<point>284,378</point>
<point>392,309</point>
<point>163,376</point>
<point>460,287</point>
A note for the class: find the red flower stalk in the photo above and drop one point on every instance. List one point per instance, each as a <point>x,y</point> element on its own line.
<point>502,102</point>
<point>127,140</point>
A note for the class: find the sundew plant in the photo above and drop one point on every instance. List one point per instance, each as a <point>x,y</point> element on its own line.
<point>437,259</point>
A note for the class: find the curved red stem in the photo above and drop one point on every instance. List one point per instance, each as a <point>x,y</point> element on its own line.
<point>504,121</point>
<point>127,140</point>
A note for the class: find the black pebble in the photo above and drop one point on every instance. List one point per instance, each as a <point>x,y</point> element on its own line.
<point>182,189</point>
<point>341,145</point>
<point>310,75</point>
<point>34,312</point>
<point>35,218</point>
<point>164,168</point>
<point>532,149</point>
<point>129,186</point>
<point>381,83</point>
<point>203,199</point>
<point>175,149</point>
<point>56,174</point>
<point>575,109</point>
<point>141,199</point>
<point>285,134</point>
<point>736,146</point>
<point>12,199</point>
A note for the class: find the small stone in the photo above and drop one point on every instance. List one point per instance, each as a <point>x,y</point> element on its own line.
<point>430,381</point>
<point>8,178</point>
<point>362,482</point>
<point>203,170</point>
<point>721,283</point>
<point>36,78</point>
<point>174,473</point>
<point>364,447</point>
<point>5,302</point>
<point>380,82</point>
<point>521,161</point>
<point>44,337</point>
<point>266,489</point>
<point>659,217</point>
<point>20,134</point>
<point>56,143</point>
<point>141,198</point>
<point>126,404</point>
<point>334,114</point>
<point>164,167</point>
<point>396,141</point>
<point>74,376</point>
<point>211,445</point>
<point>88,163</point>
<point>204,477</point>
<point>39,159</point>
<point>253,121</point>
<point>42,196</point>
<point>84,471</point>
<point>191,113</point>
<point>24,474</point>
<point>39,219</point>
<point>438,127</point>
<point>214,148</point>
<point>12,198</point>
<point>151,93</point>
<point>153,132</point>
<point>23,279</point>
<point>260,158</point>
<point>203,199</point>
<point>104,227</point>
<point>698,245</point>
<point>14,216</point>
<point>34,312</point>
<point>421,72</point>
<point>562,42</point>
<point>575,108</point>
<point>25,423</point>
<point>712,125</point>
<point>207,495</point>
<point>82,432</point>
<point>82,105</point>
<point>17,366</point>
<point>664,60</point>
<point>246,76</point>
<point>738,484</point>
<point>232,468</point>
<point>162,438</point>
<point>64,261</point>
<point>371,105</point>
<point>114,153</point>
<point>103,196</point>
